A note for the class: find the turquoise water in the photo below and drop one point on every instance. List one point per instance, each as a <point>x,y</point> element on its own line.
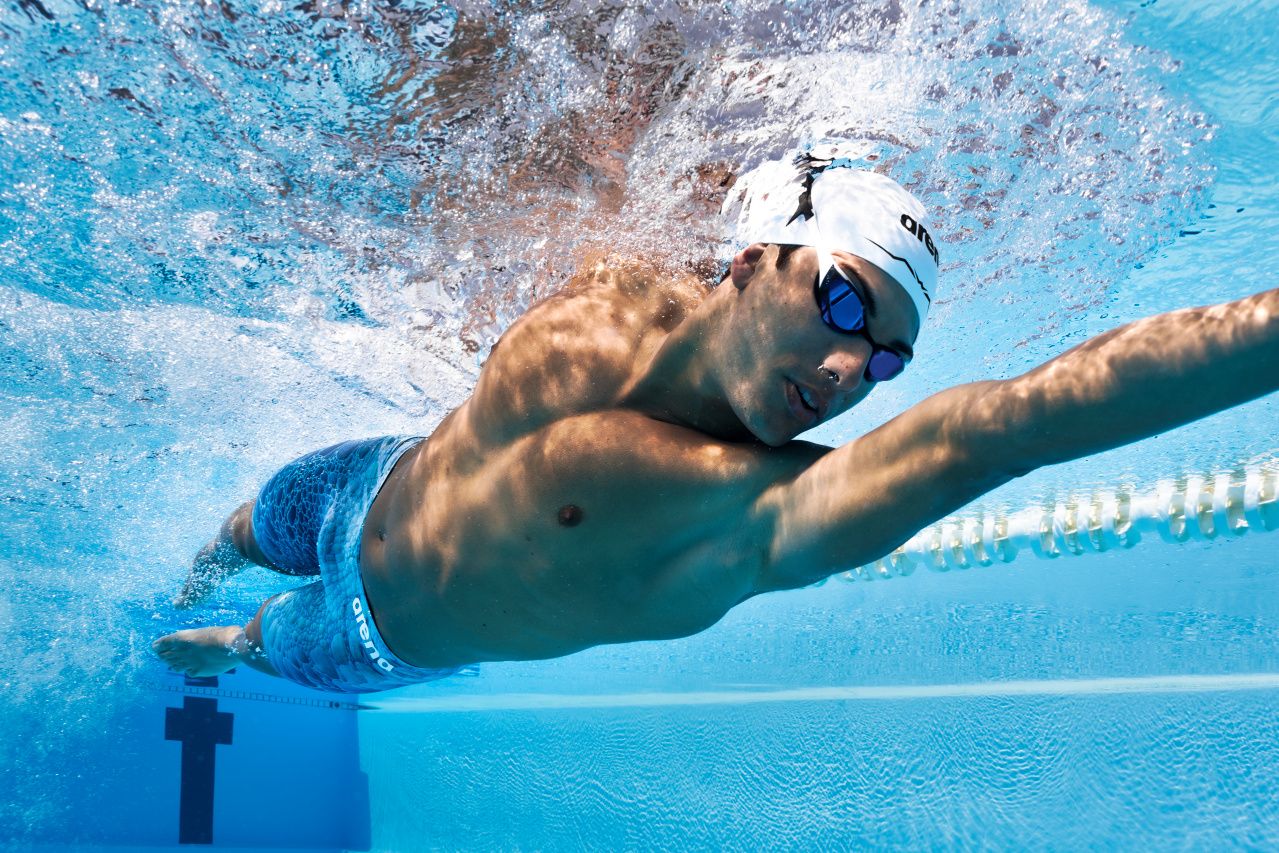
<point>231,234</point>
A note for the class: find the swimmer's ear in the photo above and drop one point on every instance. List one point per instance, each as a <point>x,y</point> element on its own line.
<point>745,264</point>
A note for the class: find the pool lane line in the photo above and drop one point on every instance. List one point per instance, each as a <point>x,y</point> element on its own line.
<point>977,690</point>
<point>257,696</point>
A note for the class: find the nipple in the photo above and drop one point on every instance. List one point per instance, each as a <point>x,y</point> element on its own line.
<point>570,515</point>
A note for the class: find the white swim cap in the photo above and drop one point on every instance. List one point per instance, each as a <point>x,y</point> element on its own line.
<point>823,199</point>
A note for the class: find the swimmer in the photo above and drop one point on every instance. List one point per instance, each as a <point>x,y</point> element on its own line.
<point>627,466</point>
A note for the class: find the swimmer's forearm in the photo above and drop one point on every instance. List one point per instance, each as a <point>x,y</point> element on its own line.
<point>1138,380</point>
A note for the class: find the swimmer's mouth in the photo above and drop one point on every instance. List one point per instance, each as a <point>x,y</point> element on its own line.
<point>804,403</point>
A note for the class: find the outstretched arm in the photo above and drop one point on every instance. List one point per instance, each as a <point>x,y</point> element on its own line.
<point>859,502</point>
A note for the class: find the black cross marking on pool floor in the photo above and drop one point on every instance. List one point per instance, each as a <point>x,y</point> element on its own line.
<point>200,727</point>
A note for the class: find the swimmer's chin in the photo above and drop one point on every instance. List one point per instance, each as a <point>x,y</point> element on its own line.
<point>769,438</point>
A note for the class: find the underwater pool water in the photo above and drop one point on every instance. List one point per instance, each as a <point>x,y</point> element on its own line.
<point>230,234</point>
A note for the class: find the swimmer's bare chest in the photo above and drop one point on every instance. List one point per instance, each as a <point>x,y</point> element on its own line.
<point>541,518</point>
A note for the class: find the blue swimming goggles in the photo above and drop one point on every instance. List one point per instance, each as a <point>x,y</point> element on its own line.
<point>843,310</point>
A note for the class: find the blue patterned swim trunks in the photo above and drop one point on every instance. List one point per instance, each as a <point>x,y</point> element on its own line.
<point>308,520</point>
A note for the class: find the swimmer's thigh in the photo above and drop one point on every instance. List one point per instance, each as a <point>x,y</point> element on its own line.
<point>305,641</point>
<point>290,508</point>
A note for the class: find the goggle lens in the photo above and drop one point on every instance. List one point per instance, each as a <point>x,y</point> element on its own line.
<point>843,305</point>
<point>884,364</point>
<point>842,309</point>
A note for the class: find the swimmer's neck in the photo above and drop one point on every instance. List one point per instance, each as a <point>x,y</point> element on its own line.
<point>680,384</point>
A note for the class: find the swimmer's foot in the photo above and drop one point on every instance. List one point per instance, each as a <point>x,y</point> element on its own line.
<point>216,562</point>
<point>200,651</point>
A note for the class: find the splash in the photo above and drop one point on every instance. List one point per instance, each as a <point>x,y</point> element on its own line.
<point>233,233</point>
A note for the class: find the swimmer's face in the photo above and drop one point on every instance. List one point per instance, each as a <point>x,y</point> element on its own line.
<point>785,370</point>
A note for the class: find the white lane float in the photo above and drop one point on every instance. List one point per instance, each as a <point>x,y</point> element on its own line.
<point>1190,507</point>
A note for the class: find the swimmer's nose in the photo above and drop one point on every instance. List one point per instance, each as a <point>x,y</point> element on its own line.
<point>844,369</point>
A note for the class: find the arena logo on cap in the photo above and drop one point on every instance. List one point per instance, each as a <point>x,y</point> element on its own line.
<point>921,234</point>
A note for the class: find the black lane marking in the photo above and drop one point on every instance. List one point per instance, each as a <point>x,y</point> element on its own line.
<point>200,727</point>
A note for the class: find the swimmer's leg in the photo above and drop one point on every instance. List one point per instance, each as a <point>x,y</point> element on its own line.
<point>280,527</point>
<point>212,651</point>
<point>232,551</point>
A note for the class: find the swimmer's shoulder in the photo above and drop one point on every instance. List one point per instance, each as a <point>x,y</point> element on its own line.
<point>635,280</point>
<point>609,305</point>
<point>573,352</point>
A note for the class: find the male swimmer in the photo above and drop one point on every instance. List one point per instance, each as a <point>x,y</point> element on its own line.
<point>625,468</point>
